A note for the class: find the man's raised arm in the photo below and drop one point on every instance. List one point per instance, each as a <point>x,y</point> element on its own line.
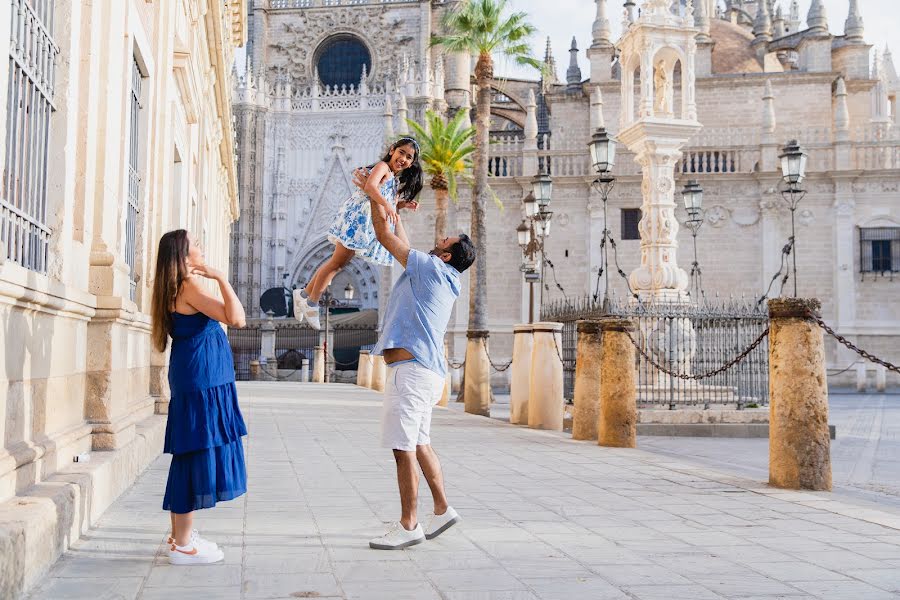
<point>397,245</point>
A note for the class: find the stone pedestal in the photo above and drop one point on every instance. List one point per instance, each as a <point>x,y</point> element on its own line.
<point>587,382</point>
<point>304,370</point>
<point>861,377</point>
<point>319,364</point>
<point>267,344</point>
<point>379,373</point>
<point>520,374</point>
<point>364,371</point>
<point>799,444</point>
<point>477,393</point>
<point>617,427</point>
<point>880,378</point>
<point>445,395</point>
<point>255,370</point>
<point>546,403</point>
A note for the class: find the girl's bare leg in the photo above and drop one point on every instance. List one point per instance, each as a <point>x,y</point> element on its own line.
<point>182,524</point>
<point>327,271</point>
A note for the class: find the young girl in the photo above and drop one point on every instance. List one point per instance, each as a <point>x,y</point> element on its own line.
<point>394,183</point>
<point>205,426</point>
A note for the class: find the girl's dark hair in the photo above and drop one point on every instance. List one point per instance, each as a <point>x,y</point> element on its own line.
<point>411,177</point>
<point>171,271</point>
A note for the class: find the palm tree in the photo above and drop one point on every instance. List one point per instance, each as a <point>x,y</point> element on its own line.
<point>479,27</point>
<point>445,155</point>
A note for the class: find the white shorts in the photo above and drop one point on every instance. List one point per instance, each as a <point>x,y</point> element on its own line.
<point>410,392</point>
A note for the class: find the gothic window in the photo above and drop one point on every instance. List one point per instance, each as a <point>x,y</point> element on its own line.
<point>340,60</point>
<point>879,250</point>
<point>630,219</point>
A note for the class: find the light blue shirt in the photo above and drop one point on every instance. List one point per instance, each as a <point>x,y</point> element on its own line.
<point>419,310</point>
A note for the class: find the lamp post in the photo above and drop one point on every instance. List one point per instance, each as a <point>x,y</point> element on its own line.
<point>603,158</point>
<point>329,301</point>
<point>692,195</point>
<point>533,230</point>
<point>793,171</point>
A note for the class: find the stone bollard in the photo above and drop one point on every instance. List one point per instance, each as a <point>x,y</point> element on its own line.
<point>319,364</point>
<point>255,370</point>
<point>445,394</point>
<point>861,377</point>
<point>545,402</point>
<point>520,383</point>
<point>617,426</point>
<point>587,382</point>
<point>364,370</point>
<point>477,393</point>
<point>379,373</point>
<point>304,370</point>
<point>799,441</point>
<point>880,378</point>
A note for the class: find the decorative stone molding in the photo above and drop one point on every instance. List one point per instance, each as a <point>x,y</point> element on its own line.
<point>717,216</point>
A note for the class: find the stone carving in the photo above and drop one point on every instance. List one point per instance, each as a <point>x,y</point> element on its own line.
<point>805,217</point>
<point>745,216</point>
<point>662,86</point>
<point>717,215</point>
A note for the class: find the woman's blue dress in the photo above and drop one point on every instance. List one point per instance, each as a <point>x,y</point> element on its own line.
<point>353,225</point>
<point>205,425</point>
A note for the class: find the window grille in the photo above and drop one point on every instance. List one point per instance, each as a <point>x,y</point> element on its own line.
<point>879,250</point>
<point>630,219</point>
<point>134,179</point>
<point>24,234</point>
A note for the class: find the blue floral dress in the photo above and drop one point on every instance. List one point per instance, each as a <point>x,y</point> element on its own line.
<point>353,225</point>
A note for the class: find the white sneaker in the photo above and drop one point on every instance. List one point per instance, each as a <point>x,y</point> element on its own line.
<point>311,314</point>
<point>299,304</point>
<point>438,524</point>
<point>398,537</point>
<point>196,539</point>
<point>194,554</point>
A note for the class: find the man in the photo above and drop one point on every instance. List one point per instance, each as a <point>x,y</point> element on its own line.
<point>412,343</point>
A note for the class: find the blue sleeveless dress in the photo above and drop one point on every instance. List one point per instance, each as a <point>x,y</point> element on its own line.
<point>353,225</point>
<point>205,425</point>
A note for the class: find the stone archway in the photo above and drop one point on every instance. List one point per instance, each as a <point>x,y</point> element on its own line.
<point>363,276</point>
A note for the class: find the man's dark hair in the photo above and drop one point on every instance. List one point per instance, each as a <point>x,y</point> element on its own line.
<point>462,253</point>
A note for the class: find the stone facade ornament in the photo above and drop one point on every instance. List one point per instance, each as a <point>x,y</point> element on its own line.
<point>717,215</point>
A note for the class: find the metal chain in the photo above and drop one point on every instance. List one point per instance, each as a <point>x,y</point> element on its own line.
<point>454,365</point>
<point>495,367</point>
<point>853,346</point>
<point>697,377</point>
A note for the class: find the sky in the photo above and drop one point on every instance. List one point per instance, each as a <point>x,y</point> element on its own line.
<point>561,19</point>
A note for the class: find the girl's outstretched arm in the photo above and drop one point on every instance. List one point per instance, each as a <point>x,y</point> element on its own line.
<point>373,190</point>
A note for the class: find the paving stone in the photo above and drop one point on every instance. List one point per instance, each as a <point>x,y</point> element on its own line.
<point>90,588</point>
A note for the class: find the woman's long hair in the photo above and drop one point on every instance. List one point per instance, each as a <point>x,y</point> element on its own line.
<point>411,178</point>
<point>171,271</point>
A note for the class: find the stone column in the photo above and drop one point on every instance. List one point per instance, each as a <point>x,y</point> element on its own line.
<point>799,442</point>
<point>587,382</point>
<point>880,378</point>
<point>861,377</point>
<point>448,382</point>
<point>255,370</point>
<point>267,343</point>
<point>546,403</point>
<point>520,371</point>
<point>319,364</point>
<point>379,373</point>
<point>304,370</point>
<point>364,371</point>
<point>477,393</point>
<point>617,427</point>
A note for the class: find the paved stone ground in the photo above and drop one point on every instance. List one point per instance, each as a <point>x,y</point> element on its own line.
<point>544,517</point>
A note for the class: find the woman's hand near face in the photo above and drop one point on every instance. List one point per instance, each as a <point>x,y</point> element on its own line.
<point>206,271</point>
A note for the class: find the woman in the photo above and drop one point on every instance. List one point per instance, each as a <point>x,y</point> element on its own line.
<point>205,425</point>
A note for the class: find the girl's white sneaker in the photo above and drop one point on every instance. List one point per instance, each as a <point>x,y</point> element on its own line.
<point>398,537</point>
<point>194,554</point>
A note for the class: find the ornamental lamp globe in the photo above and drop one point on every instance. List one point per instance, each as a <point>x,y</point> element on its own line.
<point>542,188</point>
<point>692,195</point>
<point>793,163</point>
<point>523,232</point>
<point>603,151</point>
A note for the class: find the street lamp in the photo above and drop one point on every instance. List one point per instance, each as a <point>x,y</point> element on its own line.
<point>793,171</point>
<point>692,195</point>
<point>603,157</point>
<point>329,301</point>
<point>542,189</point>
<point>533,230</point>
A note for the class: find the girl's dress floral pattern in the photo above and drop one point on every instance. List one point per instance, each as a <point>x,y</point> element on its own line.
<point>353,225</point>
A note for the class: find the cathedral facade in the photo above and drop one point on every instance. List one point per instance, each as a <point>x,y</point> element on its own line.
<point>328,84</point>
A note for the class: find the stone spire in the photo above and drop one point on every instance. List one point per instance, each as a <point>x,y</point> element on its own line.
<point>768,114</point>
<point>531,124</point>
<point>402,114</point>
<point>841,112</point>
<point>552,77</point>
<point>629,11</point>
<point>890,71</point>
<point>880,101</point>
<point>778,25</point>
<point>762,25</point>
<point>601,30</point>
<point>388,115</point>
<point>816,19</point>
<point>794,17</point>
<point>853,26</point>
<point>701,21</point>
<point>573,73</point>
<point>597,120</point>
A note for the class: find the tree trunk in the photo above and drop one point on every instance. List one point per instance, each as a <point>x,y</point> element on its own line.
<point>441,197</point>
<point>484,73</point>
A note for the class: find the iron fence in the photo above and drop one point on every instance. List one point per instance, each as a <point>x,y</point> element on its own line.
<point>245,346</point>
<point>687,338</point>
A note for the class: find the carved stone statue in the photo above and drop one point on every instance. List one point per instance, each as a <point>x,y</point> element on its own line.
<point>662,88</point>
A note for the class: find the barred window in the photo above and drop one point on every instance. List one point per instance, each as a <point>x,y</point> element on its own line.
<point>134,178</point>
<point>340,60</point>
<point>879,250</point>
<point>630,219</point>
<point>24,234</point>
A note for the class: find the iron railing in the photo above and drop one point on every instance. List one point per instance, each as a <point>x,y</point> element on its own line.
<point>685,338</point>
<point>134,179</point>
<point>23,196</point>
<point>245,346</point>
<point>879,250</point>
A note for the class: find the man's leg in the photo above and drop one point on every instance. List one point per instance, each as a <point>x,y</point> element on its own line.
<point>431,468</point>
<point>408,481</point>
